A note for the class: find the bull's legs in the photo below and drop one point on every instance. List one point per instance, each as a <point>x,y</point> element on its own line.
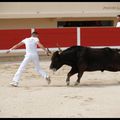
<point>72,72</point>
<point>79,77</point>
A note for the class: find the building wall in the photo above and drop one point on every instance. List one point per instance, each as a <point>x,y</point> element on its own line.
<point>46,14</point>
<point>58,9</point>
<point>42,23</point>
<point>27,23</point>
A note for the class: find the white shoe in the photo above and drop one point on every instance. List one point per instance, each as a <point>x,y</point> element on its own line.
<point>48,79</point>
<point>15,84</point>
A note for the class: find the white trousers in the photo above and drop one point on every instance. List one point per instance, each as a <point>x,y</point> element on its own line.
<point>29,57</point>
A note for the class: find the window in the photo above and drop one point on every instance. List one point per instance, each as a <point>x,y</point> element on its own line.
<point>85,23</point>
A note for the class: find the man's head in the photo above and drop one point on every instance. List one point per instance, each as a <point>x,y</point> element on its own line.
<point>118,17</point>
<point>34,34</point>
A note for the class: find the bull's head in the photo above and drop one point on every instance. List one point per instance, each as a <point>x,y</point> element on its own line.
<point>56,62</point>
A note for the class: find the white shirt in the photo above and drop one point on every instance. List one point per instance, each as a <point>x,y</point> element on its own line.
<point>31,45</point>
<point>118,24</point>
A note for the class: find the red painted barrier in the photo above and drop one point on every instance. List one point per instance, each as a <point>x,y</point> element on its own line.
<point>65,37</point>
<point>100,36</point>
<point>8,38</point>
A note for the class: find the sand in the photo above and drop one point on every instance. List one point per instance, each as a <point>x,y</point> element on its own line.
<point>97,96</point>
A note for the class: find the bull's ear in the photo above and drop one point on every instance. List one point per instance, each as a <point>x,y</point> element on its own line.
<point>59,52</point>
<point>56,53</point>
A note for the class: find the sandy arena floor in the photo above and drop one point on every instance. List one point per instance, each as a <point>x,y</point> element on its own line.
<point>98,95</point>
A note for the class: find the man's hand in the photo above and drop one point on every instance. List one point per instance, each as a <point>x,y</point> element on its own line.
<point>48,52</point>
<point>8,51</point>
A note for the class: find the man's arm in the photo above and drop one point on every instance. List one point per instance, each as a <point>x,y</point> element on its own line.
<point>15,46</point>
<point>41,46</point>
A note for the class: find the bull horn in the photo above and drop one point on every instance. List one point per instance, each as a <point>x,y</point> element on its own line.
<point>49,52</point>
<point>60,50</point>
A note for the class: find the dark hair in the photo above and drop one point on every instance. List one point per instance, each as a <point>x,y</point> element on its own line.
<point>118,15</point>
<point>34,33</point>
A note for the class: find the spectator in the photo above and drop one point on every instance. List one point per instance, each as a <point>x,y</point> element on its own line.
<point>118,23</point>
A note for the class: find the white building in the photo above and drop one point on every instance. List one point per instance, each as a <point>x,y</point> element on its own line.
<point>57,14</point>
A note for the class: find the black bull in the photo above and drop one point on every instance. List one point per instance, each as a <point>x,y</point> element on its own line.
<point>83,59</point>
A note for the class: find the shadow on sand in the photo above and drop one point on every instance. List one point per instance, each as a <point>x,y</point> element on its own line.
<point>86,85</point>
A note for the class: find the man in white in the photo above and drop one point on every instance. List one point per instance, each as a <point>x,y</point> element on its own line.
<point>118,23</point>
<point>31,55</point>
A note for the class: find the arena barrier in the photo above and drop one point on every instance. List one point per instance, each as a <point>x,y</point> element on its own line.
<point>8,38</point>
<point>100,37</point>
<point>64,37</point>
<point>54,37</point>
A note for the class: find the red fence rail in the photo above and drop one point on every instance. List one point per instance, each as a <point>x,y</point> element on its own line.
<point>64,37</point>
<point>100,36</point>
<point>8,38</point>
